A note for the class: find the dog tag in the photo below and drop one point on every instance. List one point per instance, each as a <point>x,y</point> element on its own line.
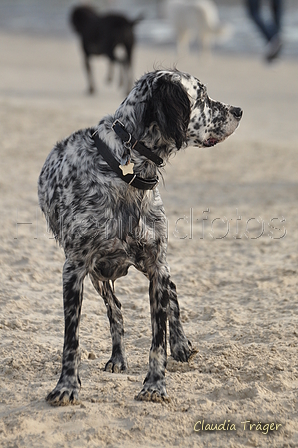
<point>127,169</point>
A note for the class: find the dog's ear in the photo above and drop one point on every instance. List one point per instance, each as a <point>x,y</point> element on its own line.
<point>169,107</point>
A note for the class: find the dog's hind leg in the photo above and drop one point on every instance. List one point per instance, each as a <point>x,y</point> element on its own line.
<point>67,389</point>
<point>117,362</point>
<point>181,348</point>
<point>110,75</point>
<point>128,71</point>
<point>127,67</point>
<point>123,55</point>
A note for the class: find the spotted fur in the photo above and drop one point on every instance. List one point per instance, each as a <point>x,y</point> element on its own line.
<point>105,226</point>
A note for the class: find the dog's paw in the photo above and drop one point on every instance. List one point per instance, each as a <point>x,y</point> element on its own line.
<point>154,391</point>
<point>116,364</point>
<point>64,394</point>
<point>183,351</point>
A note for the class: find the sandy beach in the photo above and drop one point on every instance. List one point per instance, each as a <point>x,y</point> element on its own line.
<point>233,239</point>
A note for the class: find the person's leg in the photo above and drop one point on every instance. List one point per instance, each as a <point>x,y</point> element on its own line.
<point>275,43</point>
<point>277,13</point>
<point>254,7</point>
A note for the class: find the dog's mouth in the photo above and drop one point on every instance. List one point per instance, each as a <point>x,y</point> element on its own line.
<point>210,142</point>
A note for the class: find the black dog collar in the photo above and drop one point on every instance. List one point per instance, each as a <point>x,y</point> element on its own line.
<point>131,143</point>
<point>130,179</point>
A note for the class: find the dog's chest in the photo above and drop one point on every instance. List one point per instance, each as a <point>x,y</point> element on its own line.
<point>130,240</point>
<point>129,235</point>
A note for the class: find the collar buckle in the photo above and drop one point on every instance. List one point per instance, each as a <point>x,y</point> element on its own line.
<point>123,134</point>
<point>130,143</point>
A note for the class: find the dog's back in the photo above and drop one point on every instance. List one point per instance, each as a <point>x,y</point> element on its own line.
<point>93,27</point>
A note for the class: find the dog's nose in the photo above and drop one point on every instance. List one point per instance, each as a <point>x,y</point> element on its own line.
<point>237,112</point>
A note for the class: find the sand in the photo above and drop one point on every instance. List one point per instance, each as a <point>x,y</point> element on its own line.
<point>236,274</point>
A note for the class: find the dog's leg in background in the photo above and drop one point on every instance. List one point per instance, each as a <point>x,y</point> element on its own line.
<point>69,383</point>
<point>112,59</point>
<point>181,348</point>
<point>122,74</point>
<point>117,362</point>
<point>89,74</point>
<point>123,55</point>
<point>128,77</point>
<point>110,75</point>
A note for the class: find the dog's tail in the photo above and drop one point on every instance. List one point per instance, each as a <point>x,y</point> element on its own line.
<point>138,19</point>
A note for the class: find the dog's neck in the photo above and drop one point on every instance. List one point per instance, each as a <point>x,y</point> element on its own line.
<point>151,138</point>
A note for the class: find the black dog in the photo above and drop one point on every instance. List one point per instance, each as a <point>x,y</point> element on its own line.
<point>101,35</point>
<point>98,191</point>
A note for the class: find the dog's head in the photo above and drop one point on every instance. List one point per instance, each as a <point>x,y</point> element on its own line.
<point>172,109</point>
<point>210,121</point>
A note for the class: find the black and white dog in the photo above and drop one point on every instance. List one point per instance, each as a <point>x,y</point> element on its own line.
<point>98,191</point>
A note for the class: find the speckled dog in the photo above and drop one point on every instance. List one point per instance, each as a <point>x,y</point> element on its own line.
<point>98,191</point>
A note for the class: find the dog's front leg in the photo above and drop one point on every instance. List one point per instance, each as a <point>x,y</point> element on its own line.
<point>181,348</point>
<point>91,88</point>
<point>68,386</point>
<point>154,388</point>
<point>117,362</point>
